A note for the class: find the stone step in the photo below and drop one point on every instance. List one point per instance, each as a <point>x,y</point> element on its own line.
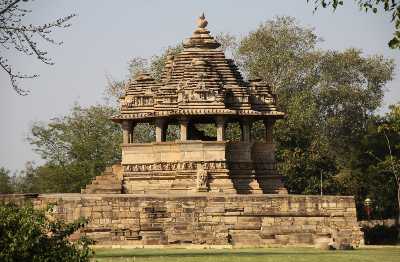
<point>100,191</point>
<point>105,176</point>
<point>110,186</point>
<point>107,191</point>
<point>105,187</point>
<point>107,183</point>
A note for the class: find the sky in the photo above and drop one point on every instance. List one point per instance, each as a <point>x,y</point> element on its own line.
<point>106,34</point>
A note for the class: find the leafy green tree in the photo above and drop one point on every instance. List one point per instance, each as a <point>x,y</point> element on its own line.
<point>28,234</point>
<point>76,148</point>
<point>390,164</point>
<point>364,176</point>
<point>329,97</point>
<point>390,6</point>
<point>278,51</point>
<point>5,181</point>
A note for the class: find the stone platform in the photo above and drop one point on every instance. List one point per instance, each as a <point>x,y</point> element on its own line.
<point>208,219</point>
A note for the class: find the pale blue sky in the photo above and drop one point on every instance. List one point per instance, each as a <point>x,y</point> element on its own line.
<point>106,34</point>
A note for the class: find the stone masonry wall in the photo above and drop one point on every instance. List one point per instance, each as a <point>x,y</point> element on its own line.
<point>238,220</point>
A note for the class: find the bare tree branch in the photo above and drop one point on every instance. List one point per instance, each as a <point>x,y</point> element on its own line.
<point>9,7</point>
<point>23,38</point>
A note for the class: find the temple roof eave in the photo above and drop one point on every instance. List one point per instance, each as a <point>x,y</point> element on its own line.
<point>194,113</point>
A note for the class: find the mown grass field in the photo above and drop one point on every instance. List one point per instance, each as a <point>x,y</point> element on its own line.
<point>386,254</point>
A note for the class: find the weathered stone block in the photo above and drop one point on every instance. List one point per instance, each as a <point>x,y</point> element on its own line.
<point>301,238</point>
<point>230,220</point>
<point>214,209</point>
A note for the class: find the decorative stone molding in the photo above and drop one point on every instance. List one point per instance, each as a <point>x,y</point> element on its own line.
<point>175,166</point>
<point>193,165</point>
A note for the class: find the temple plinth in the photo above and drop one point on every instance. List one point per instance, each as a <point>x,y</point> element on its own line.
<point>199,86</point>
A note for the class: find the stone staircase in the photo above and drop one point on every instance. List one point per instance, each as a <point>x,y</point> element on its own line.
<point>106,183</point>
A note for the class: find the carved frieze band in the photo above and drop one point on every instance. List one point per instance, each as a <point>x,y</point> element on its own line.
<point>173,166</point>
<point>193,165</point>
<point>196,95</point>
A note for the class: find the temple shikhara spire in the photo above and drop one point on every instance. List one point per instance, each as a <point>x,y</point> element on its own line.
<point>199,86</point>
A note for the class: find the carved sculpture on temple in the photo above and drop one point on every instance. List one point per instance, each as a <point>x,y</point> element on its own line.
<point>201,180</point>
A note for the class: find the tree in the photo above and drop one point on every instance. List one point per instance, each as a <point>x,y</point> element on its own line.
<point>17,36</point>
<point>278,52</point>
<point>76,148</point>
<point>5,181</point>
<point>390,129</point>
<point>28,234</point>
<point>364,176</point>
<point>329,97</point>
<point>391,6</point>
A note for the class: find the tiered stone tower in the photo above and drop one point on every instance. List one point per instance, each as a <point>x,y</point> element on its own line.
<point>199,85</point>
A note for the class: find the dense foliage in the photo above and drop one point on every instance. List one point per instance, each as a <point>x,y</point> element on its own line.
<point>6,185</point>
<point>32,235</point>
<point>76,148</point>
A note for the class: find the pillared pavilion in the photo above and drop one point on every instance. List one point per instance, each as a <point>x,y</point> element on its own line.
<point>198,86</point>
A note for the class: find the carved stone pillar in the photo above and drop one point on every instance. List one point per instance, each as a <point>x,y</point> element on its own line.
<point>126,131</point>
<point>245,125</point>
<point>184,128</point>
<point>131,129</point>
<point>269,124</point>
<point>220,123</point>
<point>164,132</point>
<point>160,130</point>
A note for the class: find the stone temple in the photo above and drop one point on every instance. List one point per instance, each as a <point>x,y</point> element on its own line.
<point>198,86</point>
<point>200,188</point>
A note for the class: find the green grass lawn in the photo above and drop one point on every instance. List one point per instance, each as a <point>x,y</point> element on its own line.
<point>386,254</point>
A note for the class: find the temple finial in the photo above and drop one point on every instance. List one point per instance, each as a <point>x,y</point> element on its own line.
<point>201,21</point>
